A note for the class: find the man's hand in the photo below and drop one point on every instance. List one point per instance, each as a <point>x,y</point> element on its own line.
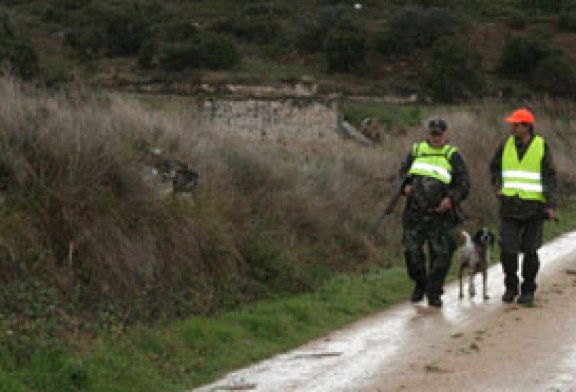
<point>408,190</point>
<point>551,213</point>
<point>445,205</point>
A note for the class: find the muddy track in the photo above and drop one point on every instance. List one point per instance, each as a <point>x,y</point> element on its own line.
<point>468,345</point>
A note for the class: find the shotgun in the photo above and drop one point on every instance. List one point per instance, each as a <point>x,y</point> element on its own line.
<point>387,211</point>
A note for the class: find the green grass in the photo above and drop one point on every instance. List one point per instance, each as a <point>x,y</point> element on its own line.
<point>262,69</point>
<point>188,353</point>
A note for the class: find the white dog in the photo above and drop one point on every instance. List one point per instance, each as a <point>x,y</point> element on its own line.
<point>475,255</point>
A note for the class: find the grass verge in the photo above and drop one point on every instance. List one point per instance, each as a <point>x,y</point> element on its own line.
<point>191,352</point>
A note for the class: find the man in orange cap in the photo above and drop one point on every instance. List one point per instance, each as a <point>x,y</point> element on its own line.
<point>524,179</point>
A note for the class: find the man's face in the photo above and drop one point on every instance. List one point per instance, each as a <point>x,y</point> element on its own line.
<point>438,139</point>
<point>519,129</point>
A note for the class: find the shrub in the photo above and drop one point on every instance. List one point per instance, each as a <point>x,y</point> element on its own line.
<point>178,56</point>
<point>69,4</point>
<point>146,55</point>
<point>520,56</point>
<point>16,53</point>
<point>212,51</point>
<point>539,65</point>
<point>258,22</point>
<point>345,51</point>
<point>88,42</point>
<point>542,6</point>
<point>23,60</point>
<point>556,76</point>
<point>264,9</point>
<point>567,21</point>
<point>567,17</point>
<point>253,28</point>
<point>218,52</point>
<point>455,71</point>
<point>315,30</point>
<point>178,30</point>
<point>112,30</point>
<point>416,27</point>
<point>516,19</point>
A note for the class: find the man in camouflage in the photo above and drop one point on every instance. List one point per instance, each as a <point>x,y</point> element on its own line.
<point>435,182</point>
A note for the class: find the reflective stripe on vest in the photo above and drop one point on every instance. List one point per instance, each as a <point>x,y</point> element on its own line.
<point>523,178</point>
<point>432,162</point>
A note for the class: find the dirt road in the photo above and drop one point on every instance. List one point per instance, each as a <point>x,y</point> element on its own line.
<point>468,345</point>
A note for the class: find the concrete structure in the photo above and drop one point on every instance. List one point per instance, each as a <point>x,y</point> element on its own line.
<point>302,118</point>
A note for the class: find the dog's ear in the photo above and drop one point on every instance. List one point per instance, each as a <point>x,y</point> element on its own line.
<point>461,237</point>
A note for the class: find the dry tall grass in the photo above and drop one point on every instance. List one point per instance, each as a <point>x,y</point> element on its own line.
<point>269,217</point>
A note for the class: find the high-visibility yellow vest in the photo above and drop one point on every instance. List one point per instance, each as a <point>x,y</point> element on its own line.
<point>432,161</point>
<point>523,178</point>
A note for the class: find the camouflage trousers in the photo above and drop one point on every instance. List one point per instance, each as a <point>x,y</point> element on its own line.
<point>432,233</point>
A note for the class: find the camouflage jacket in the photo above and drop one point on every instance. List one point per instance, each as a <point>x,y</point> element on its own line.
<point>428,192</point>
<point>514,207</point>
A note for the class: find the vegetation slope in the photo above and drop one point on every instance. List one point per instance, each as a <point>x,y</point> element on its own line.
<point>444,50</point>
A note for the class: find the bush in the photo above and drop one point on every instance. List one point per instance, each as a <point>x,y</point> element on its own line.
<point>539,65</point>
<point>16,53</point>
<point>69,4</point>
<point>23,60</point>
<point>179,56</point>
<point>416,27</point>
<point>331,19</point>
<point>542,6</point>
<point>218,52</point>
<point>265,9</point>
<point>520,56</point>
<point>455,71</point>
<point>567,17</point>
<point>212,51</point>
<point>253,28</point>
<point>112,30</point>
<point>556,76</point>
<point>516,20</point>
<point>88,42</point>
<point>258,22</point>
<point>146,55</point>
<point>345,51</point>
<point>178,30</point>
<point>567,21</point>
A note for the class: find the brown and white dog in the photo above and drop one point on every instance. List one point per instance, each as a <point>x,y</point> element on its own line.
<point>474,254</point>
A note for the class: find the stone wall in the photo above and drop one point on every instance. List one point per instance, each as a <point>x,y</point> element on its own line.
<point>272,118</point>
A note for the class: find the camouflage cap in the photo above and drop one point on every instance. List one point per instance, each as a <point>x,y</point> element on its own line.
<point>437,125</point>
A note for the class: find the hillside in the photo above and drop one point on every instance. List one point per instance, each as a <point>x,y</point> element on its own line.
<point>448,50</point>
